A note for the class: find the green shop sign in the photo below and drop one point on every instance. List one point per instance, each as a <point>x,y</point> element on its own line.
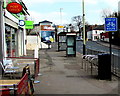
<point>29,24</point>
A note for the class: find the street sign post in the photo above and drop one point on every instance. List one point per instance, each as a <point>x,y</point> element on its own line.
<point>111,24</point>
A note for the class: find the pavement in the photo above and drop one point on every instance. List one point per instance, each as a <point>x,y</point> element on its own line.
<point>64,75</point>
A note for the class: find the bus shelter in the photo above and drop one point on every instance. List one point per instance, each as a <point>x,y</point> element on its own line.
<point>71,44</point>
<point>62,41</point>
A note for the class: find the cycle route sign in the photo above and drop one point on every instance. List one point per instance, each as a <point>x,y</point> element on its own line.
<point>111,24</point>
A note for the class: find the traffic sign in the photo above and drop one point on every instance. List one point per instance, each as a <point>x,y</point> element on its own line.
<point>111,24</point>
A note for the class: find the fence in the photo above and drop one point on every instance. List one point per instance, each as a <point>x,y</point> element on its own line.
<point>115,59</point>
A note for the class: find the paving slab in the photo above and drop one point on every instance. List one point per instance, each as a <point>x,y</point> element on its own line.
<point>65,75</point>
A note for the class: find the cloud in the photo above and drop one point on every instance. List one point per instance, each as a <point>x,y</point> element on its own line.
<point>91,1</point>
<point>58,1</point>
<point>113,4</point>
<point>51,16</point>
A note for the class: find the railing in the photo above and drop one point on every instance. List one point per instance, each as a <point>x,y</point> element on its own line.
<point>115,59</point>
<point>115,62</point>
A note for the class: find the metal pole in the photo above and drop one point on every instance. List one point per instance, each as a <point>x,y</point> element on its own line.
<point>61,15</point>
<point>110,41</point>
<point>1,32</point>
<point>1,35</point>
<point>11,42</point>
<point>24,41</point>
<point>84,41</point>
<point>110,38</point>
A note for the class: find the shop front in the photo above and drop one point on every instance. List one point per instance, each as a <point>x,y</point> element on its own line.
<point>10,37</point>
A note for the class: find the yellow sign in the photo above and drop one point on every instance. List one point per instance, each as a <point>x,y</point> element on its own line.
<point>60,26</point>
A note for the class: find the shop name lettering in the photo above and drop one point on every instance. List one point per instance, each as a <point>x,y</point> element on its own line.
<point>14,6</point>
<point>14,9</point>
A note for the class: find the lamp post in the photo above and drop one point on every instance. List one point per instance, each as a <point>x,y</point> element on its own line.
<point>61,15</point>
<point>84,41</point>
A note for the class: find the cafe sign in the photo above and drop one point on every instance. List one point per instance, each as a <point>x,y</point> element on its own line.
<point>14,7</point>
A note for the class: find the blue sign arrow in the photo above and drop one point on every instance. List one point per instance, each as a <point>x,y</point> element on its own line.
<point>111,24</point>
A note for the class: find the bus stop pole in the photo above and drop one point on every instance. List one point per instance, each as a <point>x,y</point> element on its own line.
<point>110,45</point>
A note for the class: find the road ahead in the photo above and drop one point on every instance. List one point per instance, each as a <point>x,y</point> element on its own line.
<point>95,46</point>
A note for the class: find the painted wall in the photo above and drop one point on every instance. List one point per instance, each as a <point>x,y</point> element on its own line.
<point>94,35</point>
<point>33,42</point>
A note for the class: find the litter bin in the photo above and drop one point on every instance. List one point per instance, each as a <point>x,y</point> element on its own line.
<point>104,66</point>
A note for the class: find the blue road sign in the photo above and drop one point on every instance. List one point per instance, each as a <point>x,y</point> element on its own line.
<point>111,24</point>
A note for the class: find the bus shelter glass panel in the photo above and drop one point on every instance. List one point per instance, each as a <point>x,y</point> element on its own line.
<point>62,41</point>
<point>71,45</point>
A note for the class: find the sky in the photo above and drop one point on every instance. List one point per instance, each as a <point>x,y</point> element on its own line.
<point>41,10</point>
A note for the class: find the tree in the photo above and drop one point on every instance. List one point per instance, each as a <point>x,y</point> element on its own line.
<point>107,13</point>
<point>78,22</point>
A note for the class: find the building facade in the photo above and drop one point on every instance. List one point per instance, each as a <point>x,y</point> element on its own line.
<point>94,33</point>
<point>13,34</point>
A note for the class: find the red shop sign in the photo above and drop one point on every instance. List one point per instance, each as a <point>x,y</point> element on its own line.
<point>14,7</point>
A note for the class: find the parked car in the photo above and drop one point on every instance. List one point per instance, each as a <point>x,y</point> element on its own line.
<point>78,38</point>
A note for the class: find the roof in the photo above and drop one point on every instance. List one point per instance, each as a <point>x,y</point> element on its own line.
<point>62,33</point>
<point>24,8</point>
<point>45,21</point>
<point>36,25</point>
<point>99,27</point>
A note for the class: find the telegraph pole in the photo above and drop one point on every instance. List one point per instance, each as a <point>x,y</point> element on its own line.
<point>84,41</point>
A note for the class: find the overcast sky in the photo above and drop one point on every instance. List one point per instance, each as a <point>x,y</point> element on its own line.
<point>50,10</point>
